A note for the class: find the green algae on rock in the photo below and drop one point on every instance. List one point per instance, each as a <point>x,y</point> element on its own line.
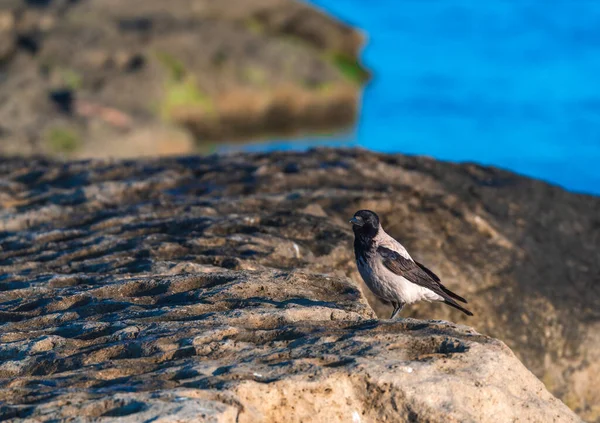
<point>227,69</point>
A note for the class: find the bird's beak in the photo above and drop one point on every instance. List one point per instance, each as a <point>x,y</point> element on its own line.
<point>356,221</point>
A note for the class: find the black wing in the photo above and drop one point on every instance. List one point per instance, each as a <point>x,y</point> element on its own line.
<point>435,278</point>
<point>420,275</point>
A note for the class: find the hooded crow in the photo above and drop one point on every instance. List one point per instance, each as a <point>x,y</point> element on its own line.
<point>390,272</point>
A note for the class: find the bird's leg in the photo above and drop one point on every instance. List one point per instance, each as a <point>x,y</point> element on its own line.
<point>397,308</point>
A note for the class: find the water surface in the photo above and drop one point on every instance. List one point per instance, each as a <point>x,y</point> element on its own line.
<point>515,84</point>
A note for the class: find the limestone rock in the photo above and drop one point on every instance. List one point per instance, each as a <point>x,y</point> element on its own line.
<point>218,287</point>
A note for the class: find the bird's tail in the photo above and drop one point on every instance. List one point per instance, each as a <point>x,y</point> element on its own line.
<point>454,304</point>
<point>452,294</point>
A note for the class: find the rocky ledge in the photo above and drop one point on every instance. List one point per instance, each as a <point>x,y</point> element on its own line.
<point>124,78</point>
<point>224,289</point>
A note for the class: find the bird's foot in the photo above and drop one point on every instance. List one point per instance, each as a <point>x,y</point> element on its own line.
<point>397,309</point>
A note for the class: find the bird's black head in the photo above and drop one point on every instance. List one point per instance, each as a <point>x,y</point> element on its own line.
<point>365,224</point>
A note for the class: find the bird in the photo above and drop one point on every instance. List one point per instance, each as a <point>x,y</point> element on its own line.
<point>390,272</point>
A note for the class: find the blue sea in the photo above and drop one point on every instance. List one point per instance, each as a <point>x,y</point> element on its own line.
<point>509,83</point>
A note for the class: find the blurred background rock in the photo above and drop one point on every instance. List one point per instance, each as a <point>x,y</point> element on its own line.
<point>108,77</point>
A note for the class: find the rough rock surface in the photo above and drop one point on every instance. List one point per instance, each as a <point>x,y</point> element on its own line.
<point>218,287</point>
<point>76,74</point>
